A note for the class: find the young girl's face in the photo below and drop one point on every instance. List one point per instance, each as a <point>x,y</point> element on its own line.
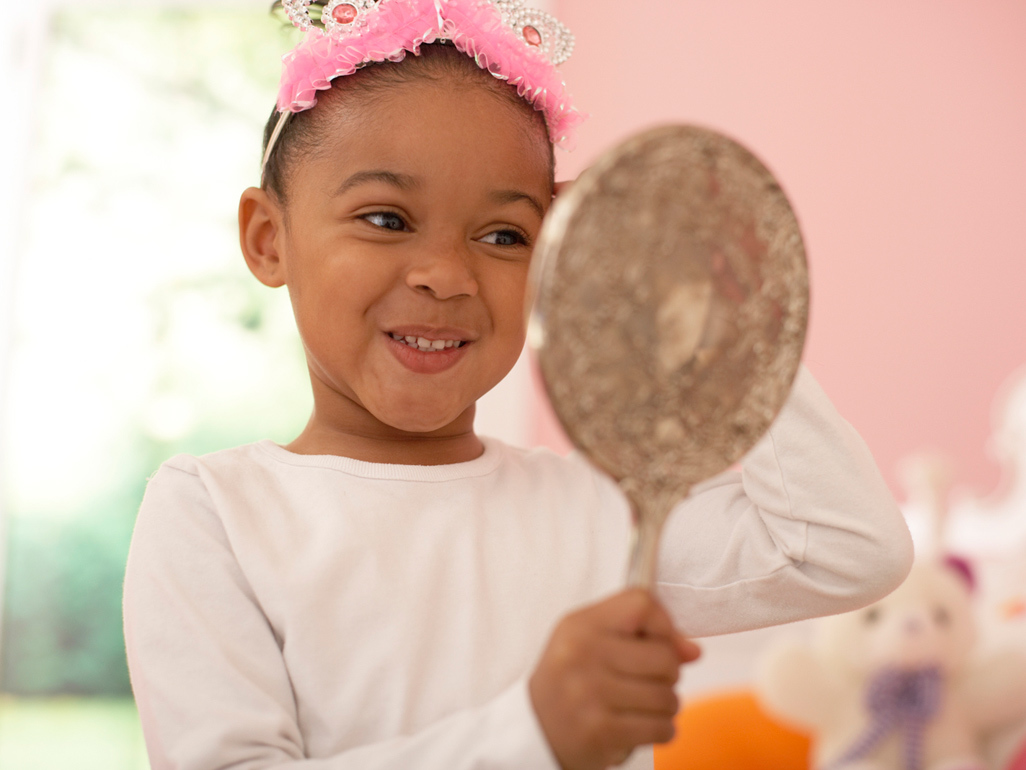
<point>406,244</point>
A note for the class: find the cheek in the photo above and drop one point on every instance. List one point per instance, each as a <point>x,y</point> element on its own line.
<point>340,278</point>
<point>505,307</point>
<point>506,300</point>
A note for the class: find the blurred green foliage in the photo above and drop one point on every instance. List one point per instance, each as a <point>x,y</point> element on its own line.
<point>62,630</point>
<point>68,732</point>
<point>62,627</point>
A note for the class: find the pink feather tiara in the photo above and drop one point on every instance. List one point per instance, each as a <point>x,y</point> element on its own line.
<point>515,43</point>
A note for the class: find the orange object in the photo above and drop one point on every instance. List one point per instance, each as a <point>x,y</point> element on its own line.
<point>730,731</point>
<point>1013,608</point>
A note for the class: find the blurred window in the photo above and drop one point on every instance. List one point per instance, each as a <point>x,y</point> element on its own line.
<point>133,332</point>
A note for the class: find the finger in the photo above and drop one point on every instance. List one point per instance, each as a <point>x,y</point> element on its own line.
<point>628,695</point>
<point>624,613</point>
<point>657,622</point>
<point>642,657</point>
<point>622,757</point>
<point>634,613</point>
<point>687,649</point>
<point>635,729</point>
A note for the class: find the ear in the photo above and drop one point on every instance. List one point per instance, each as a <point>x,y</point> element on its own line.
<point>260,225</point>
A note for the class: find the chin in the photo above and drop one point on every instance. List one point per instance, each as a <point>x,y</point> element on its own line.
<point>417,426</point>
<point>424,421</point>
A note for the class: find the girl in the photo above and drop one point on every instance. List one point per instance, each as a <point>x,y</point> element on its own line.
<point>391,590</point>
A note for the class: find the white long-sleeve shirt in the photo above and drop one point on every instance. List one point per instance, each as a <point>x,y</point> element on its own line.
<point>323,613</point>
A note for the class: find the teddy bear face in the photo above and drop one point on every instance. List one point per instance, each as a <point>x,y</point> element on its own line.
<point>927,621</point>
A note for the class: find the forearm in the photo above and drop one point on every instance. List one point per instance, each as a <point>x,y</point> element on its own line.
<point>500,735</point>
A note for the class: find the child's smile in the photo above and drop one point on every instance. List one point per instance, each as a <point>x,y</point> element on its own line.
<point>428,351</point>
<point>406,259</point>
<point>424,344</point>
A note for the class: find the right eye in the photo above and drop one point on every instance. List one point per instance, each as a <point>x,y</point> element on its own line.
<point>386,220</point>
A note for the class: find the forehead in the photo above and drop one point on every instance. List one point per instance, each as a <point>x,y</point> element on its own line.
<point>443,132</point>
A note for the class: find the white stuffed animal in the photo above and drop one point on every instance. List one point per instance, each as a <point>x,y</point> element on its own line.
<point>894,686</point>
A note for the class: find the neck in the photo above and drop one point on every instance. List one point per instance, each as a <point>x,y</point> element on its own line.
<point>345,428</point>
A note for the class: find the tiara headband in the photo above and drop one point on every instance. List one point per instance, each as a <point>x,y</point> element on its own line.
<point>511,41</point>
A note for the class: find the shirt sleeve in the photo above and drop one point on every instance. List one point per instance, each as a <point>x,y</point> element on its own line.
<point>210,681</point>
<point>806,528</point>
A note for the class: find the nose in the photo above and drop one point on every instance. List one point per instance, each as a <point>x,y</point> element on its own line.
<point>914,626</point>
<point>444,271</point>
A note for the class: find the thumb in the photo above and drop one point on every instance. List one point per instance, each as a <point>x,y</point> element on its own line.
<point>687,649</point>
<point>658,623</point>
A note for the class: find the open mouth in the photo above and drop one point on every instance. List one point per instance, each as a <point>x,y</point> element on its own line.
<point>424,345</point>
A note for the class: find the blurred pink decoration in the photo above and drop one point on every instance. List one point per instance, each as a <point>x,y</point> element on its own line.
<point>1019,763</point>
<point>990,531</point>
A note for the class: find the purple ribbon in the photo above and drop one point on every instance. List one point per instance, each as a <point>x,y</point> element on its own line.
<point>901,700</point>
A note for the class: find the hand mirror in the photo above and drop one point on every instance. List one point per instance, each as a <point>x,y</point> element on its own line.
<point>670,301</point>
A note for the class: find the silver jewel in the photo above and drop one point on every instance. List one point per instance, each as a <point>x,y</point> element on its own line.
<point>553,39</point>
<point>298,12</point>
<point>339,29</point>
<point>535,28</point>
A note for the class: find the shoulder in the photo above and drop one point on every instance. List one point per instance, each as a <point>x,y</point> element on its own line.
<point>226,472</point>
<point>190,489</point>
<point>237,460</point>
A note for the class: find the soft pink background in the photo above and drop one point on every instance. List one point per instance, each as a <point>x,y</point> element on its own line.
<point>899,132</point>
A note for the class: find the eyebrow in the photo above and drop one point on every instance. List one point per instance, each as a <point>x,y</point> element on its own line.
<point>514,196</point>
<point>399,181</point>
<point>407,182</point>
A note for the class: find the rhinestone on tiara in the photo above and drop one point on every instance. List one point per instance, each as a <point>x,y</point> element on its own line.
<point>342,18</point>
<point>298,12</point>
<point>537,29</point>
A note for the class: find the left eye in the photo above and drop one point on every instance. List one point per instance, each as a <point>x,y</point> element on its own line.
<point>504,238</point>
<point>386,220</point>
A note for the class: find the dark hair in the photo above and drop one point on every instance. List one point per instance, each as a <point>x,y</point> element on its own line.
<point>436,61</point>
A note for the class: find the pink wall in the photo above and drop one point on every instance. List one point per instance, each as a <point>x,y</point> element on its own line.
<point>899,132</point>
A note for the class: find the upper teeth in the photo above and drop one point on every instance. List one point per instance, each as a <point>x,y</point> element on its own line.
<point>423,343</point>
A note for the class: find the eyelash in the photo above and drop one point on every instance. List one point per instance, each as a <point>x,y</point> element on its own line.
<point>389,214</point>
<point>521,237</point>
